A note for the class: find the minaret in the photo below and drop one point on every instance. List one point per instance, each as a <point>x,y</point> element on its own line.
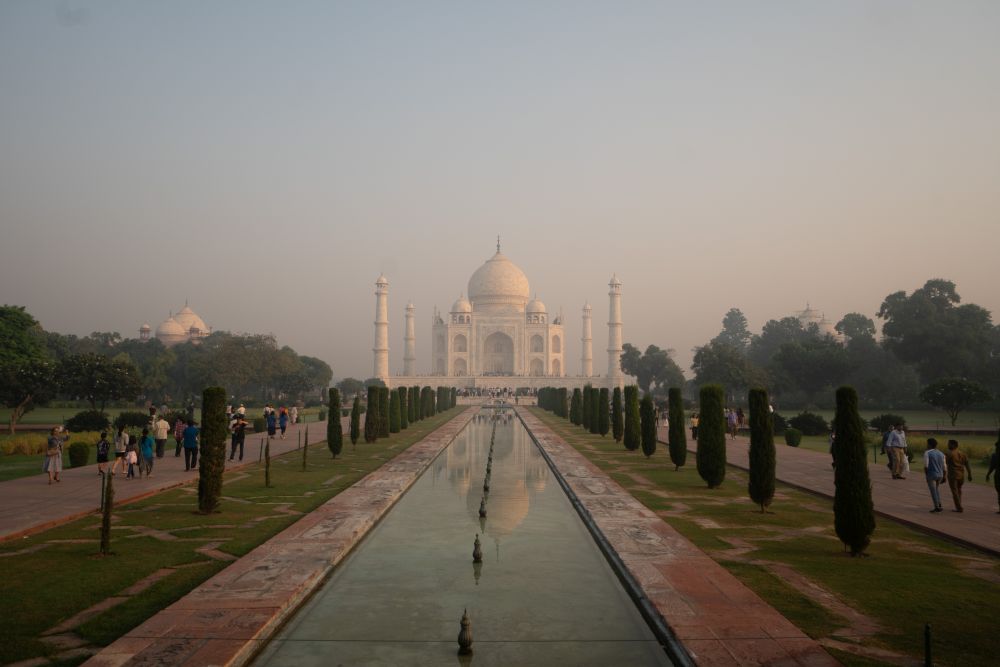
<point>587,360</point>
<point>410,344</point>
<point>381,348</point>
<point>615,332</point>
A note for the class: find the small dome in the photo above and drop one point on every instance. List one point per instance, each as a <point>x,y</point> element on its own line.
<point>170,327</point>
<point>614,281</point>
<point>587,307</point>
<point>462,305</point>
<point>188,320</point>
<point>535,306</point>
<point>382,280</point>
<point>145,327</point>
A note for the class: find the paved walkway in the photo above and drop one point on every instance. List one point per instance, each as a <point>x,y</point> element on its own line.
<point>906,500</point>
<point>30,504</point>
<point>717,618</point>
<point>227,619</point>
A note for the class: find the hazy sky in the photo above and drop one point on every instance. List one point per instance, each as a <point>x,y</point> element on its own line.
<point>266,160</point>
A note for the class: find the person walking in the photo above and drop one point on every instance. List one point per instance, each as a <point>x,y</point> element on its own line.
<point>695,420</point>
<point>54,453</point>
<point>295,414</point>
<point>731,420</point>
<point>995,470</point>
<point>160,429</point>
<point>934,467</point>
<point>121,445</point>
<point>283,420</point>
<point>179,427</point>
<point>897,449</point>
<point>146,445</point>
<point>132,457</point>
<point>272,422</point>
<point>239,429</point>
<point>958,466</point>
<point>190,445</point>
<point>103,447</point>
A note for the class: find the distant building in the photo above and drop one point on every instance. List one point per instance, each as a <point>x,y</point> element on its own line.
<point>812,316</point>
<point>185,326</point>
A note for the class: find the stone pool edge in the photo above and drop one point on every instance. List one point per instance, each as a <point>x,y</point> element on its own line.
<point>231,616</point>
<point>717,619</point>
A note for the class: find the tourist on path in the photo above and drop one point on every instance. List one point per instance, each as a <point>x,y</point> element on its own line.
<point>695,420</point>
<point>283,420</point>
<point>731,420</point>
<point>295,415</point>
<point>121,445</point>
<point>161,429</point>
<point>934,467</point>
<point>132,456</point>
<point>897,449</point>
<point>272,422</point>
<point>54,453</point>
<point>958,466</point>
<point>239,429</point>
<point>995,469</point>
<point>103,447</point>
<point>179,427</point>
<point>146,444</point>
<point>190,445</point>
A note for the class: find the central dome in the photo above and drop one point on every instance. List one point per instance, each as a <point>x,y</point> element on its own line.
<point>499,281</point>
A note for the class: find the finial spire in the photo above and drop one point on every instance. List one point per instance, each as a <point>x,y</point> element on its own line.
<point>498,243</point>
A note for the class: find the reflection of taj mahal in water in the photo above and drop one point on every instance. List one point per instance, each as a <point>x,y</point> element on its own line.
<point>498,337</point>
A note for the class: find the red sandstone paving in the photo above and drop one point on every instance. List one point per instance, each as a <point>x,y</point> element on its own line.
<point>226,619</point>
<point>719,620</point>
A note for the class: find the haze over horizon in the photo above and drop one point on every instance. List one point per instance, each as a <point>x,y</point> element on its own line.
<point>267,161</point>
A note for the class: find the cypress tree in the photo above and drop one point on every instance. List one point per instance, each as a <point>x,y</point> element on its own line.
<point>647,419</point>
<point>106,510</point>
<point>604,416</point>
<point>617,418</point>
<point>355,420</point>
<point>214,429</point>
<point>587,410</point>
<point>267,463</point>
<point>413,398</point>
<point>996,473</point>
<point>853,513</point>
<point>383,412</point>
<point>561,401</point>
<point>761,485</point>
<point>576,408</point>
<point>632,435</point>
<point>334,432</point>
<point>595,410</point>
<point>454,396</point>
<point>711,453</point>
<point>404,410</point>
<point>371,415</point>
<point>676,435</point>
<point>425,398</point>
<point>393,412</point>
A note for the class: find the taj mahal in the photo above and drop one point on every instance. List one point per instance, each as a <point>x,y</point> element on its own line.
<point>500,336</point>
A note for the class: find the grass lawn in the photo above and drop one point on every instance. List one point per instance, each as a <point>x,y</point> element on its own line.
<point>793,559</point>
<point>915,419</point>
<point>52,576</point>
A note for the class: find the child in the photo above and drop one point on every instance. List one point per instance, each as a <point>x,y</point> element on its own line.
<point>131,457</point>
<point>103,447</point>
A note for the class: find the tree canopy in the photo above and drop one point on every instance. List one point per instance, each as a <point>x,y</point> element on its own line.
<point>953,395</point>
<point>735,332</point>
<point>654,366</point>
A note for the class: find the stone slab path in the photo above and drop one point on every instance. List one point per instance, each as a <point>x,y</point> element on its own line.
<point>905,500</point>
<point>29,504</point>
<point>226,620</point>
<point>718,619</point>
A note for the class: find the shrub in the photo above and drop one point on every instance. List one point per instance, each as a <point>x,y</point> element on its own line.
<point>371,415</point>
<point>587,412</point>
<point>88,420</point>
<point>212,442</point>
<point>779,422</point>
<point>24,444</point>
<point>603,416</point>
<point>595,410</point>
<point>79,452</point>
<point>320,416</point>
<point>762,455</point>
<point>404,409</point>
<point>711,453</point>
<point>647,417</point>
<point>676,434</point>
<point>259,424</point>
<point>632,433</point>
<point>853,513</point>
<point>809,423</point>
<point>793,437</point>
<point>576,408</point>
<point>617,415</point>
<point>131,419</point>
<point>356,419</point>
<point>394,410</point>
<point>883,423</point>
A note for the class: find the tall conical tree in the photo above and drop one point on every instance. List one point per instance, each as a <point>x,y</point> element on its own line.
<point>404,416</point>
<point>617,417</point>
<point>711,452</point>
<point>356,419</point>
<point>996,473</point>
<point>383,412</point>
<point>371,415</point>
<point>595,410</point>
<point>587,410</point>
<point>603,415</point>
<point>647,419</point>
<point>393,412</point>
<point>676,434</point>
<point>334,432</point>
<point>761,485</point>
<point>413,397</point>
<point>853,513</point>
<point>632,425</point>
<point>212,442</point>
<point>576,408</point>
<point>562,402</point>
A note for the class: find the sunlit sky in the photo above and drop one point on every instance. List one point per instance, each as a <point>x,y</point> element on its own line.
<point>267,160</point>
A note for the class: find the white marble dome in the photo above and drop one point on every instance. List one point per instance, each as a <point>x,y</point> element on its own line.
<point>188,320</point>
<point>535,306</point>
<point>499,281</point>
<point>170,332</point>
<point>462,305</point>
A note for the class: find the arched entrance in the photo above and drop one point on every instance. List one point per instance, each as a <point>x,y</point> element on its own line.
<point>537,368</point>
<point>556,368</point>
<point>461,368</point>
<point>498,354</point>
